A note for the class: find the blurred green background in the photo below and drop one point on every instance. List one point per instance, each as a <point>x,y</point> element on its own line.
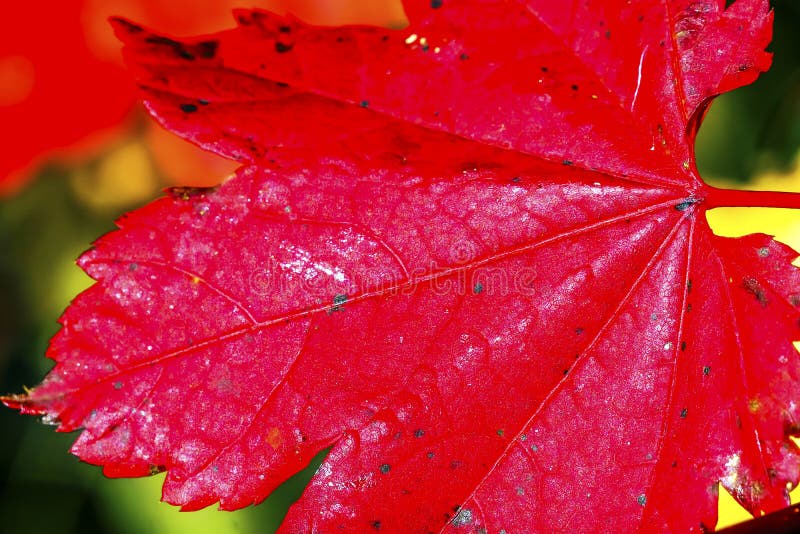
<point>750,133</point>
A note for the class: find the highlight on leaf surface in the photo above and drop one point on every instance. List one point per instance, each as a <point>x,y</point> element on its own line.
<point>452,252</point>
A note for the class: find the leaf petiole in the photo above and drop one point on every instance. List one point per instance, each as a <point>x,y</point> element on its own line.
<point>714,197</point>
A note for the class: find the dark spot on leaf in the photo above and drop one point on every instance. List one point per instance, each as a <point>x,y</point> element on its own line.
<point>133,266</point>
<point>187,193</point>
<point>516,179</point>
<point>131,28</point>
<point>376,525</point>
<point>675,463</point>
<point>684,413</point>
<point>751,285</point>
<point>338,303</point>
<point>463,517</point>
<point>436,4</point>
<point>566,161</point>
<point>117,385</point>
<point>156,469</point>
<point>706,370</point>
<point>285,29</point>
<point>683,345</point>
<point>364,103</point>
<point>430,455</point>
<point>574,87</point>
<point>282,48</point>
<point>178,48</point>
<point>608,34</point>
<point>501,432</point>
<point>418,433</point>
<point>545,69</point>
<point>463,57</point>
<point>686,204</point>
<point>641,499</point>
<point>188,108</point>
<point>689,286</point>
<point>579,331</point>
<point>207,49</point>
<point>478,288</point>
<point>455,464</point>
<point>385,468</point>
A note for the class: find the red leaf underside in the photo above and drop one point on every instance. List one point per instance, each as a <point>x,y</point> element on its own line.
<point>471,256</point>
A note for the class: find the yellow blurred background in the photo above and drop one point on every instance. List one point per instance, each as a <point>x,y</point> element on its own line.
<point>68,192</point>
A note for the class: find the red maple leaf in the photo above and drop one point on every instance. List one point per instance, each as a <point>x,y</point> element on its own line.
<point>471,256</point>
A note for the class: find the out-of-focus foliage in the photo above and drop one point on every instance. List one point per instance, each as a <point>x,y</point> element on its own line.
<point>751,133</point>
<point>66,96</point>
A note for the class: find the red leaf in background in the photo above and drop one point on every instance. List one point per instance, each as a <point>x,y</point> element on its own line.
<point>64,93</point>
<point>54,94</point>
<point>471,256</point>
